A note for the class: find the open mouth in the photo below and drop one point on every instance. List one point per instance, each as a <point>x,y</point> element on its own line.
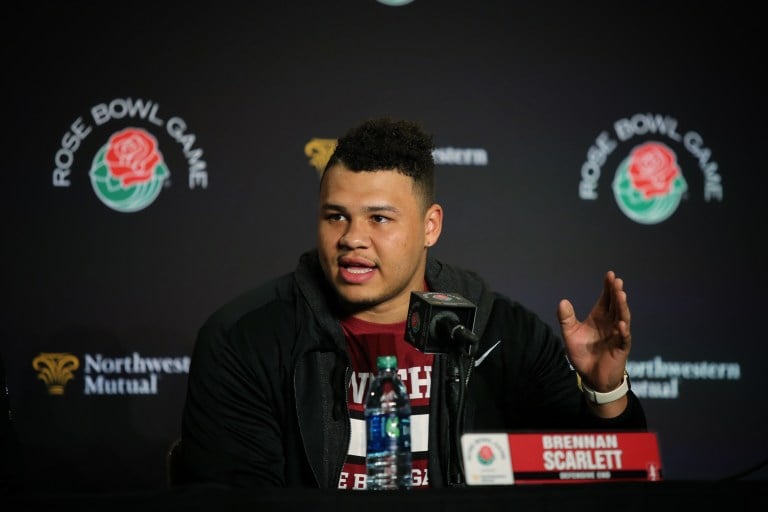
<point>356,271</point>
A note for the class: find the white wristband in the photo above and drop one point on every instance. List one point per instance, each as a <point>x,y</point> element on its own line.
<point>604,398</point>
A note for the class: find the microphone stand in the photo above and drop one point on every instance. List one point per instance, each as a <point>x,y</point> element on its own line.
<point>460,362</point>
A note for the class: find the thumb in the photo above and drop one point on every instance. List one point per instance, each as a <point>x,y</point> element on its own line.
<point>566,315</point>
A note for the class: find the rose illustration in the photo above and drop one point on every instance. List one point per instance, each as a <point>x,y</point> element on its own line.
<point>652,169</point>
<point>649,184</point>
<point>485,454</point>
<point>128,172</point>
<point>132,156</point>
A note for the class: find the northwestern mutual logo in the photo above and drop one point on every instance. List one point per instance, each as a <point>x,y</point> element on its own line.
<point>55,370</point>
<point>319,151</point>
<point>102,375</point>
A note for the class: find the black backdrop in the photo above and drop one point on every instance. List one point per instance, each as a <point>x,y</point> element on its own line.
<point>516,94</point>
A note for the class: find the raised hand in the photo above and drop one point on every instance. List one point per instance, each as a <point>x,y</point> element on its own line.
<point>599,345</point>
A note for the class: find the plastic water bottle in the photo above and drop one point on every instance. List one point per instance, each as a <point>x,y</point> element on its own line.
<point>388,430</point>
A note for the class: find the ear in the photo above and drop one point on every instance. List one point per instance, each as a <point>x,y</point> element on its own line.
<point>433,224</point>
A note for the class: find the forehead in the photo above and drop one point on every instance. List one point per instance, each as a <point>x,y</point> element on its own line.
<point>339,182</point>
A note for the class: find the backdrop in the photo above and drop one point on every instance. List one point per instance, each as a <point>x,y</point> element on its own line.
<point>570,139</point>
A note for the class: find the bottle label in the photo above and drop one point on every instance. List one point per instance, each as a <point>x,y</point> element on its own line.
<point>388,432</point>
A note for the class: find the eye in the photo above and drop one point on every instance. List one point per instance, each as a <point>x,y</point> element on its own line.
<point>335,217</point>
<point>380,219</point>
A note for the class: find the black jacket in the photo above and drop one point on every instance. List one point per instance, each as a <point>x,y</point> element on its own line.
<point>266,401</point>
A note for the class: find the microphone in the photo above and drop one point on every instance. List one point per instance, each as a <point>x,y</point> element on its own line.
<point>440,323</point>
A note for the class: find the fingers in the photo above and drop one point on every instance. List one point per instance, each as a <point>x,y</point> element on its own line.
<point>616,304</point>
<point>607,295</point>
<point>620,311</point>
<point>626,335</point>
<point>620,299</point>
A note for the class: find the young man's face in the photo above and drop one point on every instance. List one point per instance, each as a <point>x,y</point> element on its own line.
<point>373,236</point>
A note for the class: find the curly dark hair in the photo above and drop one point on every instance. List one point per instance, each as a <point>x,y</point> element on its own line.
<point>387,144</point>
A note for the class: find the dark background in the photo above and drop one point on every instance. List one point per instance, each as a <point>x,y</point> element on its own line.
<point>531,83</point>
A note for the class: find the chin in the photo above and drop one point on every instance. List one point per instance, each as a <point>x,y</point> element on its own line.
<point>356,301</point>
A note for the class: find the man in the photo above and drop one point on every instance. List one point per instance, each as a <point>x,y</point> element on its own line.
<point>278,376</point>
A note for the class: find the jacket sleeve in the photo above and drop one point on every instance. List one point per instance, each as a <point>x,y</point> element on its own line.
<point>232,427</point>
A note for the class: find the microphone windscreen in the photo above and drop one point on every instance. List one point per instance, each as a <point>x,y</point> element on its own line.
<point>441,325</point>
<point>424,308</point>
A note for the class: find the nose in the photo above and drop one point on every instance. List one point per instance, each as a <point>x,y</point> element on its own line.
<point>355,237</point>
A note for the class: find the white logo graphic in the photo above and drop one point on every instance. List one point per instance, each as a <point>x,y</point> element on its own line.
<point>394,3</point>
<point>485,354</point>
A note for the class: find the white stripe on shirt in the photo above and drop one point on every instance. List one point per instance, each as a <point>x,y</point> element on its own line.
<point>419,435</point>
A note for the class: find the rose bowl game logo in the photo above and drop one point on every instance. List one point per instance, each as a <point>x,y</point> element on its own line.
<point>485,455</point>
<point>648,184</point>
<point>128,172</point>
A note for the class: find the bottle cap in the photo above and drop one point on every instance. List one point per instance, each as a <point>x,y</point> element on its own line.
<point>386,362</point>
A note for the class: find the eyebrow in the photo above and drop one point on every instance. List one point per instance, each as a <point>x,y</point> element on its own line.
<point>367,209</point>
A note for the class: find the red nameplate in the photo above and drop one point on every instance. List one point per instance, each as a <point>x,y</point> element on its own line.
<point>560,457</point>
